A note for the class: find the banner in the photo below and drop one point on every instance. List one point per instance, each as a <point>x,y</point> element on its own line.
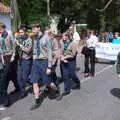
<point>107,51</point>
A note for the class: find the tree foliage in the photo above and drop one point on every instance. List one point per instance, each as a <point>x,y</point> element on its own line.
<point>81,11</point>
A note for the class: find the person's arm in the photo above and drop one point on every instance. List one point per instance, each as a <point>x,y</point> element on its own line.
<point>2,51</point>
<point>27,47</point>
<point>71,52</point>
<point>61,48</point>
<point>49,48</point>
<point>14,50</point>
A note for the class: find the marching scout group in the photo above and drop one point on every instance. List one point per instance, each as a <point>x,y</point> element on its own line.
<point>33,58</point>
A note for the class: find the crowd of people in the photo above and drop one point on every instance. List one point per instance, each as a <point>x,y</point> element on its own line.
<point>34,57</point>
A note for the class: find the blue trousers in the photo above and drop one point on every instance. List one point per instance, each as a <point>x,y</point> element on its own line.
<point>68,73</point>
<point>23,72</point>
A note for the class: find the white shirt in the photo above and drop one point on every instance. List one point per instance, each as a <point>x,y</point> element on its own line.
<point>76,36</point>
<point>91,42</point>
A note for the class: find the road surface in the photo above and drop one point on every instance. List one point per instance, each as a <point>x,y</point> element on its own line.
<point>98,99</point>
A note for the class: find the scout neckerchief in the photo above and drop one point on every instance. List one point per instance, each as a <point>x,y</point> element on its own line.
<point>4,36</point>
<point>37,44</point>
<point>1,44</point>
<point>66,44</point>
<point>21,41</point>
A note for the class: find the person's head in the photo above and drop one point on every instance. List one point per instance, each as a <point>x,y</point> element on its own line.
<point>92,32</point>
<point>2,27</point>
<point>57,37</point>
<point>16,34</point>
<point>49,33</point>
<point>117,34</point>
<point>22,32</point>
<point>36,28</point>
<point>65,36</point>
<point>71,27</point>
<point>87,33</point>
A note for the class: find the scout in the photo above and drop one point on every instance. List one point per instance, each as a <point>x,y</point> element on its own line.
<point>68,64</point>
<point>7,49</point>
<point>24,48</point>
<point>42,64</point>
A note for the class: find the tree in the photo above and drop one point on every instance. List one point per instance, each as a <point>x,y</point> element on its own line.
<point>32,11</point>
<point>69,11</point>
<point>106,17</point>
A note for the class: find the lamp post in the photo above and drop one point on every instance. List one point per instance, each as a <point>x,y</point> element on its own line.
<point>48,7</point>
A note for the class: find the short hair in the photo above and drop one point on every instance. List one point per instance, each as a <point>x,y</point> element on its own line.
<point>2,25</point>
<point>65,34</point>
<point>24,29</point>
<point>58,35</point>
<point>37,25</point>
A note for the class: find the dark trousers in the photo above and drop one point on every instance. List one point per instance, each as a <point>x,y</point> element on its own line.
<point>4,81</point>
<point>23,72</point>
<point>9,73</point>
<point>13,73</point>
<point>53,74</point>
<point>90,58</point>
<point>69,72</point>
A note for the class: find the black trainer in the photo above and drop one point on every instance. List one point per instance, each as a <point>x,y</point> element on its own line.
<point>23,95</point>
<point>15,91</point>
<point>58,95</point>
<point>66,93</point>
<point>36,104</point>
<point>77,87</point>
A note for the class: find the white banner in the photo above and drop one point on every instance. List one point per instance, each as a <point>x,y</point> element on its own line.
<point>107,51</point>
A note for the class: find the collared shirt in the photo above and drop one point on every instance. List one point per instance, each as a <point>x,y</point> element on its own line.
<point>25,48</point>
<point>91,42</point>
<point>71,50</point>
<point>45,50</point>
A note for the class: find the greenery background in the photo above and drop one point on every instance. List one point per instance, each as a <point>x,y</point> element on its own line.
<point>82,11</point>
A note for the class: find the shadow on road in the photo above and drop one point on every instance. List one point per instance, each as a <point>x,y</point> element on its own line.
<point>14,98</point>
<point>116,92</point>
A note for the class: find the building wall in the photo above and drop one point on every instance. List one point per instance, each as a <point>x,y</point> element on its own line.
<point>5,18</point>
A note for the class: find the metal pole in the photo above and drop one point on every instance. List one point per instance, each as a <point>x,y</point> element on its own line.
<point>48,7</point>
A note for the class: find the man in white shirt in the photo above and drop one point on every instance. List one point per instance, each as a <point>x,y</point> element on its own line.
<point>90,56</point>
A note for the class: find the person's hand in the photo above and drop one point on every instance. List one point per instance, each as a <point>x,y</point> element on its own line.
<point>48,71</point>
<point>12,59</point>
<point>63,59</point>
<point>17,43</point>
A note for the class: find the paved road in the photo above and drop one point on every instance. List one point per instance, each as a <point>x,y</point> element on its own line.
<point>98,99</point>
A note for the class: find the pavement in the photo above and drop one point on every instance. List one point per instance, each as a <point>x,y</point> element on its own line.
<point>98,99</point>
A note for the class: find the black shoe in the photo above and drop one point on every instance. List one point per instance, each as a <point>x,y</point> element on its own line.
<point>58,95</point>
<point>23,95</point>
<point>15,91</point>
<point>36,104</point>
<point>92,75</point>
<point>77,87</point>
<point>66,93</point>
<point>86,75</point>
<point>46,90</point>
